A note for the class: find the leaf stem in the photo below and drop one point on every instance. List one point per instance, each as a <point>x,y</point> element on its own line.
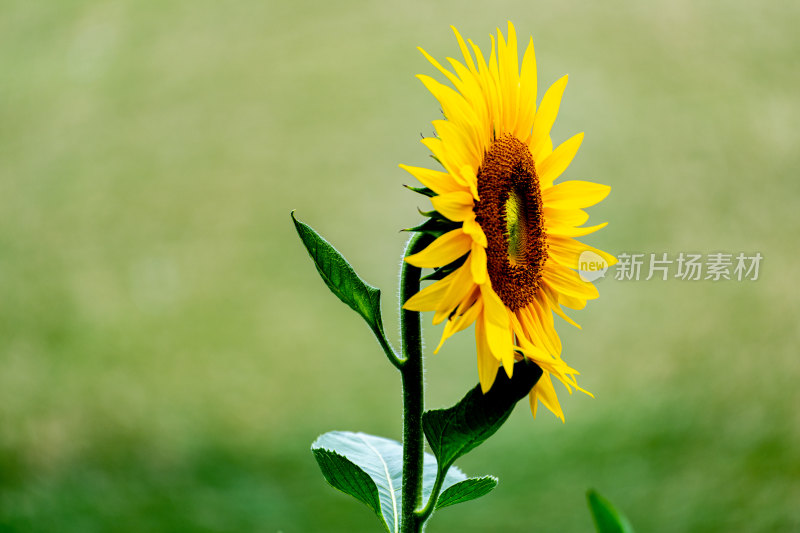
<point>424,513</point>
<point>387,348</point>
<point>411,372</point>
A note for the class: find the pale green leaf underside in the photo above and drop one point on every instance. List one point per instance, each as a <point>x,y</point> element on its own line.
<point>381,460</point>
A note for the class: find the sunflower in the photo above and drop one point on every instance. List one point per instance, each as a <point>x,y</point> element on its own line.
<point>505,256</point>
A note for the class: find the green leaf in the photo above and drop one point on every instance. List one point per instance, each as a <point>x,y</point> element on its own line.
<point>606,518</point>
<point>381,461</point>
<point>455,431</point>
<point>464,491</point>
<point>344,475</point>
<point>340,277</point>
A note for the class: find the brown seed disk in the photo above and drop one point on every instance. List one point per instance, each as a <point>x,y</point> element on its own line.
<point>510,214</point>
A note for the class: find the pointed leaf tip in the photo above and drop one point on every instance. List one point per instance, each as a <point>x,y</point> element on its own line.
<point>607,519</point>
<point>340,277</point>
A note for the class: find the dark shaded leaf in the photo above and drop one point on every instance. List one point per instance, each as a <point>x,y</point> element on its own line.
<point>344,475</point>
<point>455,431</point>
<point>464,491</point>
<point>340,277</point>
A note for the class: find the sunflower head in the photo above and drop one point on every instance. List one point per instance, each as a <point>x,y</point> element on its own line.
<point>505,256</point>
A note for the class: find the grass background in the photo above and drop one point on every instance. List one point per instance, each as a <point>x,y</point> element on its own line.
<point>168,353</point>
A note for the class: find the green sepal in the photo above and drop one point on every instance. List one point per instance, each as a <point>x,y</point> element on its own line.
<point>434,214</point>
<point>464,491</point>
<point>340,277</point>
<point>381,461</point>
<point>449,268</point>
<point>453,432</point>
<point>424,191</point>
<point>435,227</point>
<point>607,519</point>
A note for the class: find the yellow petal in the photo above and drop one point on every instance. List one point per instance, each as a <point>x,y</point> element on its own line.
<point>494,80</point>
<point>443,250</point>
<point>437,181</point>
<point>456,206</point>
<point>562,251</point>
<point>436,146</point>
<point>560,312</point>
<point>458,143</point>
<point>498,328</point>
<point>467,56</point>
<point>527,86</point>
<point>459,289</point>
<point>428,298</point>
<point>543,152</point>
<point>508,63</point>
<point>566,217</point>
<point>572,302</point>
<point>474,230</point>
<point>545,117</point>
<point>449,75</point>
<point>454,106</point>
<point>489,88</point>
<point>557,162</point>
<point>487,363</point>
<point>531,319</point>
<point>462,321</point>
<point>480,274</point>
<point>473,93</point>
<point>540,309</point>
<point>566,251</point>
<point>567,281</point>
<point>554,305</point>
<point>544,392</point>
<point>468,175</point>
<point>532,350</point>
<point>569,231</point>
<point>574,194</point>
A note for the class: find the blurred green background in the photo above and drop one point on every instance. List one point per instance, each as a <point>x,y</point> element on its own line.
<point>168,353</point>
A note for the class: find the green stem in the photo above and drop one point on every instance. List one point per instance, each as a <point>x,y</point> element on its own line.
<point>387,348</point>
<point>411,371</point>
<point>423,515</point>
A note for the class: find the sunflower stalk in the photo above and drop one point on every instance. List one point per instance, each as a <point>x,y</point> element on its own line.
<point>413,390</point>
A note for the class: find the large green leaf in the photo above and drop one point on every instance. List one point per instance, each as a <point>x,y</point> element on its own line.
<point>340,277</point>
<point>381,461</point>
<point>455,431</point>
<point>464,491</point>
<point>341,473</point>
<point>607,519</point>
